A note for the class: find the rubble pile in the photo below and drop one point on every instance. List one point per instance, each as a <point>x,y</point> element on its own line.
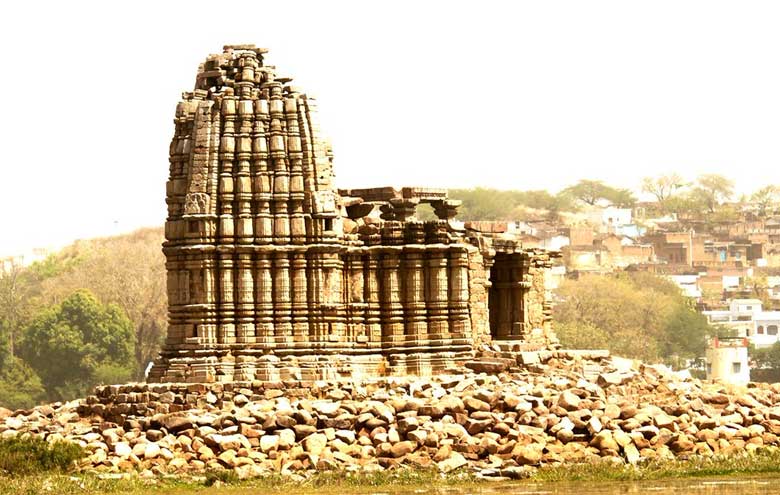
<point>566,408</point>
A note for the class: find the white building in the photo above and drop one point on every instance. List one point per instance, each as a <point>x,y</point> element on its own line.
<point>554,243</point>
<point>727,361</point>
<point>766,331</point>
<point>748,319</point>
<point>609,216</point>
<point>688,284</point>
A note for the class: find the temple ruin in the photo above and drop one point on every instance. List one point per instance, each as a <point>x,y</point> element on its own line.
<point>274,273</point>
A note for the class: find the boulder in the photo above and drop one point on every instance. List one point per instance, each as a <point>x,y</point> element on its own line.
<point>454,461</point>
<point>569,401</point>
<point>315,443</point>
<point>401,449</point>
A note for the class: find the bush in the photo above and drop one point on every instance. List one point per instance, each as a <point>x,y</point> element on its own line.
<point>20,386</point>
<point>109,374</point>
<point>582,335</point>
<point>23,456</point>
<point>634,315</point>
<point>221,475</point>
<point>68,342</point>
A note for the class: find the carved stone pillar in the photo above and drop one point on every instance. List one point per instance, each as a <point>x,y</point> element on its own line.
<point>264,298</point>
<point>372,297</point>
<point>227,156</point>
<point>334,296</point>
<point>242,178</point>
<point>282,302</point>
<point>519,289</point>
<point>264,221</point>
<point>261,175</point>
<point>206,331</point>
<point>392,233</point>
<point>318,327</point>
<point>415,317</point>
<point>414,233</point>
<point>227,308</point>
<point>459,293</point>
<point>356,304</point>
<point>295,153</point>
<point>281,177</point>
<point>392,310</point>
<point>245,314</point>
<point>175,268</point>
<point>437,290</point>
<point>300,305</point>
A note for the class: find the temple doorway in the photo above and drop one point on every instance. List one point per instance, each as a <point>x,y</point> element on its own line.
<point>506,296</point>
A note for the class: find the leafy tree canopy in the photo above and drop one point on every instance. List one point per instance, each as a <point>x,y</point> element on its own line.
<point>765,197</point>
<point>20,386</point>
<point>592,191</point>
<point>642,316</point>
<point>662,187</point>
<point>67,343</point>
<point>713,189</point>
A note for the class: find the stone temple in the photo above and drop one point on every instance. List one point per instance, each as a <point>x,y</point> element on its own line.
<point>274,273</point>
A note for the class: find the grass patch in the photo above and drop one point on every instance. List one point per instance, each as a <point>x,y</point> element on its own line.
<point>763,461</point>
<point>223,476</point>
<point>33,455</point>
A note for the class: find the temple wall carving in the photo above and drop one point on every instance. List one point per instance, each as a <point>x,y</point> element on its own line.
<point>273,273</point>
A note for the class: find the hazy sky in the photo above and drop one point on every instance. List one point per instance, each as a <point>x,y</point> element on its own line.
<point>457,94</point>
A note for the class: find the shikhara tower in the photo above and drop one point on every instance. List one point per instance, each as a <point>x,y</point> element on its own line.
<point>273,273</point>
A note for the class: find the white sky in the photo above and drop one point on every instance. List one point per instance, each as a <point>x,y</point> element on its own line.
<point>512,94</point>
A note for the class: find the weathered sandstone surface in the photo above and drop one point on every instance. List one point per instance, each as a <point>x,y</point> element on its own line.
<point>562,408</point>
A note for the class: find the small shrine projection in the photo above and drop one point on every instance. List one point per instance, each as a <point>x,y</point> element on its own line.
<point>274,273</point>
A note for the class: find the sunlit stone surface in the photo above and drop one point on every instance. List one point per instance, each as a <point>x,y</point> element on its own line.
<point>273,273</point>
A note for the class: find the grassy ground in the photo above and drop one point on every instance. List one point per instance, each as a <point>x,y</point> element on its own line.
<point>763,464</point>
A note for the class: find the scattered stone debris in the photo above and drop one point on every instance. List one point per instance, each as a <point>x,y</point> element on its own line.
<point>489,425</point>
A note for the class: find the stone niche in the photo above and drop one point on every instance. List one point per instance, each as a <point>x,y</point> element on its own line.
<point>274,274</point>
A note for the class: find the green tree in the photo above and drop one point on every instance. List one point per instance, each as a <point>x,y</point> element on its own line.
<point>685,333</point>
<point>15,306</point>
<point>630,318</point>
<point>766,357</point>
<point>483,203</point>
<point>713,189</point>
<point>68,343</point>
<point>592,191</point>
<point>587,191</point>
<point>622,198</point>
<point>20,297</point>
<point>582,335</point>
<point>127,270</point>
<point>20,386</point>
<point>642,315</point>
<point>662,187</point>
<point>688,204</point>
<point>764,198</point>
